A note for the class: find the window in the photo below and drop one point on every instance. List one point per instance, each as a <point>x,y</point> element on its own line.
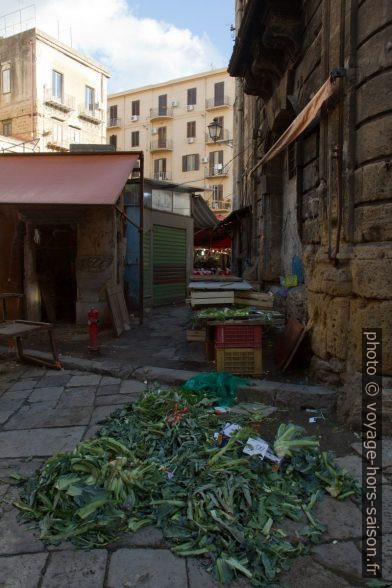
<point>217,193</point>
<point>74,135</point>
<point>57,132</point>
<point>160,172</point>
<point>162,105</point>
<point>6,80</point>
<point>191,98</point>
<point>7,128</point>
<point>216,162</point>
<point>89,98</point>
<point>190,162</point>
<point>135,107</point>
<point>113,114</point>
<point>219,93</point>
<point>135,139</point>
<point>57,85</point>
<point>191,129</point>
<point>162,136</point>
<point>113,141</point>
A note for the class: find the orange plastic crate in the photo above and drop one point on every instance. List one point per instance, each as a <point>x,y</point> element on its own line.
<point>245,361</point>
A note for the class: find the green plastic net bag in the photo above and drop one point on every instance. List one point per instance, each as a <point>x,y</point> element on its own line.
<point>217,384</point>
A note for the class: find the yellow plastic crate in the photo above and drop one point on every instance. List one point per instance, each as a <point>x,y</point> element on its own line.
<point>245,361</point>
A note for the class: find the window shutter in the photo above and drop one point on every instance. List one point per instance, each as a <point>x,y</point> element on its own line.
<point>184,163</point>
<point>197,161</point>
<point>220,157</point>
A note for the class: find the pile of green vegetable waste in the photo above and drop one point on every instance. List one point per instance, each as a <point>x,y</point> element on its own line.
<point>157,462</point>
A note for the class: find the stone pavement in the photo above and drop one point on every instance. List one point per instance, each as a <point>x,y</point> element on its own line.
<point>43,412</point>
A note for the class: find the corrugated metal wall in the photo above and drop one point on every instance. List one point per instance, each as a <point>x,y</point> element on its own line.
<point>169,265</point>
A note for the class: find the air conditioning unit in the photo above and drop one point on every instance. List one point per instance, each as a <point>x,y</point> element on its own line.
<point>191,139</point>
<point>154,131</point>
<point>174,103</point>
<point>134,118</point>
<point>190,107</point>
<point>98,106</point>
<point>204,160</point>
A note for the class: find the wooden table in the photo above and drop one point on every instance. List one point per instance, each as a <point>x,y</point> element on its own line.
<point>4,296</point>
<point>17,329</point>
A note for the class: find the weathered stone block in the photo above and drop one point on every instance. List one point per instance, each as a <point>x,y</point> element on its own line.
<point>373,223</point>
<point>372,278</point>
<point>337,321</point>
<point>310,176</point>
<point>374,139</point>
<point>374,96</point>
<point>311,231</point>
<point>343,519</point>
<point>335,281</point>
<point>33,417</point>
<point>163,569</point>
<point>39,442</point>
<point>347,559</point>
<point>369,19</point>
<point>75,568</point>
<point>317,304</point>
<point>22,571</point>
<point>16,537</point>
<point>368,314</point>
<point>306,573</point>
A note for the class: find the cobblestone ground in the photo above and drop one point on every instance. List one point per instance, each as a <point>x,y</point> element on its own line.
<point>43,412</point>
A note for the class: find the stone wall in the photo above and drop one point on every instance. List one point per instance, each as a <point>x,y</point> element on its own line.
<point>343,179</point>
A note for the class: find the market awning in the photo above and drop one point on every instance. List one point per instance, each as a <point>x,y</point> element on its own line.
<point>203,216</point>
<point>64,178</point>
<point>300,123</point>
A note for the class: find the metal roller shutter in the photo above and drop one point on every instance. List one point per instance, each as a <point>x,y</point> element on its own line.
<point>169,265</point>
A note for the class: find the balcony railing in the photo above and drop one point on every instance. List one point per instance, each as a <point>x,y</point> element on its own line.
<point>218,102</point>
<point>161,145</point>
<point>162,112</point>
<point>57,145</point>
<point>90,113</point>
<point>65,102</point>
<point>113,122</point>
<point>162,176</point>
<point>226,136</point>
<point>217,170</point>
<point>220,205</point>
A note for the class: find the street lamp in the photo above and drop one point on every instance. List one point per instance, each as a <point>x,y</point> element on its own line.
<point>215,130</point>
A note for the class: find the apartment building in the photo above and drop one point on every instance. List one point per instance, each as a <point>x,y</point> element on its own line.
<point>51,93</point>
<point>169,122</point>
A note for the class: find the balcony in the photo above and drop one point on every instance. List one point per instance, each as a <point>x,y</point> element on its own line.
<point>114,123</point>
<point>65,103</point>
<point>162,176</point>
<point>57,145</point>
<point>90,113</point>
<point>217,170</point>
<point>161,145</point>
<point>218,102</point>
<point>220,205</point>
<point>163,112</point>
<point>226,137</point>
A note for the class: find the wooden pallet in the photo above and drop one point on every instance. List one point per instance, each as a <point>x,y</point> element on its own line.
<point>118,309</point>
<point>258,299</point>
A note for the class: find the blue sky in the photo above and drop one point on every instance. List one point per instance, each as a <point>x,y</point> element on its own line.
<point>140,42</point>
<point>211,17</point>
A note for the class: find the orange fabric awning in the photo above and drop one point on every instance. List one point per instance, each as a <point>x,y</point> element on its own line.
<point>299,124</point>
<point>64,178</point>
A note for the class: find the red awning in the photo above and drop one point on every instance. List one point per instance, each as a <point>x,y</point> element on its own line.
<point>64,178</point>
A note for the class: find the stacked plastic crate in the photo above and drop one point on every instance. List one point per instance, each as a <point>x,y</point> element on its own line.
<point>238,349</point>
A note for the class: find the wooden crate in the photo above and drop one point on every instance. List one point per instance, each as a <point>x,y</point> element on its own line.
<point>214,298</point>
<point>259,299</point>
<point>242,361</point>
<point>196,335</point>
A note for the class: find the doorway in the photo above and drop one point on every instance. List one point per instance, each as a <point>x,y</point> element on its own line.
<point>55,263</point>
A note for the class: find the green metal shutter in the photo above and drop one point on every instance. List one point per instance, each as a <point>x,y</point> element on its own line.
<point>147,265</point>
<point>169,265</point>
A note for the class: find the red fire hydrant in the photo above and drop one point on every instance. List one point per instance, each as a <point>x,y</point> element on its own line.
<point>93,322</point>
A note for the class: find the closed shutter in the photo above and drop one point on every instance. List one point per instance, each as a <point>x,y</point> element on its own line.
<point>169,265</point>
<point>184,163</point>
<point>147,266</point>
